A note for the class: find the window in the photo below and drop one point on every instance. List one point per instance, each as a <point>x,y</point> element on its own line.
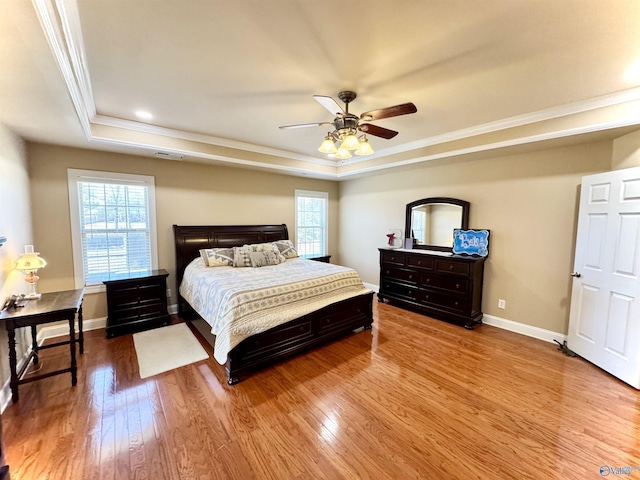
<point>113,226</point>
<point>311,222</point>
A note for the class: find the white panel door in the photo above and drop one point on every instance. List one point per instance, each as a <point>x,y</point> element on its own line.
<point>604,323</point>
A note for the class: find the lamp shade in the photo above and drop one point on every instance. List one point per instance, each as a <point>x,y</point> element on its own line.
<point>30,262</point>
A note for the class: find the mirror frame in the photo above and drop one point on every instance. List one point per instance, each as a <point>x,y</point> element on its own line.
<point>464,223</point>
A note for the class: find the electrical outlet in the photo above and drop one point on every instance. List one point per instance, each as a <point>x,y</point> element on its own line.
<point>502,303</point>
<point>168,292</point>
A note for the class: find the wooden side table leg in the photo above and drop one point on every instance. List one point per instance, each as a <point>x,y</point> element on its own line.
<point>13,363</point>
<point>34,344</point>
<point>80,331</point>
<point>72,347</point>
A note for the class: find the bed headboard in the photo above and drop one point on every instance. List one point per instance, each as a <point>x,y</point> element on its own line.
<point>190,239</point>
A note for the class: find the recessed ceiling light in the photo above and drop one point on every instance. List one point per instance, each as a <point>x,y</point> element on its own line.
<point>144,115</point>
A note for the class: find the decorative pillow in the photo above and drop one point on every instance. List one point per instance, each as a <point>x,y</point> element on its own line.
<point>259,247</point>
<point>217,257</point>
<point>260,259</point>
<point>241,256</point>
<point>203,256</point>
<point>286,248</point>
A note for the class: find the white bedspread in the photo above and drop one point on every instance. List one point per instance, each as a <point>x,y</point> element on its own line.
<point>240,302</point>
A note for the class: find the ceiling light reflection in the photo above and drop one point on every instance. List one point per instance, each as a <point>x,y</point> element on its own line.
<point>330,427</point>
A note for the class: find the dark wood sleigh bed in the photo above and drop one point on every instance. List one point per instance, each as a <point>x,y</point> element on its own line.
<point>301,334</point>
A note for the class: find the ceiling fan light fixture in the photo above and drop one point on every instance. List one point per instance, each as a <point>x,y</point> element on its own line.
<point>350,142</point>
<point>343,154</point>
<point>328,146</point>
<point>364,148</point>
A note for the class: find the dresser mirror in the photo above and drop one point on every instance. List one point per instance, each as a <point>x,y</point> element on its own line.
<point>430,222</point>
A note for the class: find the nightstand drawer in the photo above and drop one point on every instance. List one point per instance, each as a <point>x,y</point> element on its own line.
<point>132,293</point>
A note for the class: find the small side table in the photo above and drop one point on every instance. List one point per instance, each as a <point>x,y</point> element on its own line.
<point>51,307</point>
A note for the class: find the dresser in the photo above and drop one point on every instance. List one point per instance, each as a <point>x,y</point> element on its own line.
<point>137,303</point>
<point>445,286</point>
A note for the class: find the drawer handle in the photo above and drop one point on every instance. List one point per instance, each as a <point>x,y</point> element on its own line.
<point>387,272</point>
<point>302,328</point>
<point>426,297</point>
<point>450,267</point>
<point>419,262</point>
<point>457,285</point>
<point>410,292</point>
<point>410,277</point>
<point>455,303</point>
<point>428,280</point>
<point>393,258</point>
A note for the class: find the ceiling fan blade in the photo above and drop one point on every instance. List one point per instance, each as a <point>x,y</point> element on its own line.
<point>394,111</point>
<point>329,103</point>
<point>303,125</point>
<point>377,131</point>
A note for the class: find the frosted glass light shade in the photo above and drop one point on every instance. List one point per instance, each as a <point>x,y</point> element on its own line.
<point>350,142</point>
<point>343,154</point>
<point>327,146</point>
<point>364,148</point>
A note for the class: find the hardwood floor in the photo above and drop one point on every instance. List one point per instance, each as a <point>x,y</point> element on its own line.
<point>413,398</point>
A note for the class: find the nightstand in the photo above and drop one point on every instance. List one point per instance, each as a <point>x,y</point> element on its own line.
<point>137,303</point>
<point>318,258</point>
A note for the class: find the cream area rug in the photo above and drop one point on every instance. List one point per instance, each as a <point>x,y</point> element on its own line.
<point>163,349</point>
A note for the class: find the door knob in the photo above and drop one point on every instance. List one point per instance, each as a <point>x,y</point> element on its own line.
<point>576,274</point>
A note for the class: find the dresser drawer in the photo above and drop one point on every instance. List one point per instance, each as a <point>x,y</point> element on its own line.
<point>448,283</point>
<point>424,263</point>
<point>392,258</point>
<point>449,302</point>
<point>406,291</point>
<point>454,268</point>
<point>400,275</point>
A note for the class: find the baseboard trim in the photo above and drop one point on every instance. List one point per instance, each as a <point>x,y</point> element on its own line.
<point>371,286</point>
<point>523,329</point>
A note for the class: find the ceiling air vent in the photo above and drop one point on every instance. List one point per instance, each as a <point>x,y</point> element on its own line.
<point>169,156</point>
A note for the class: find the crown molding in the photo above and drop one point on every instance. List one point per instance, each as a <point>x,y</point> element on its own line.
<point>203,138</point>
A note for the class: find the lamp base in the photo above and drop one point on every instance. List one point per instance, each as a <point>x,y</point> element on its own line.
<point>32,296</point>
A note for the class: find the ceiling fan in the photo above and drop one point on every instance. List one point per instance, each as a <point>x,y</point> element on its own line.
<point>346,125</point>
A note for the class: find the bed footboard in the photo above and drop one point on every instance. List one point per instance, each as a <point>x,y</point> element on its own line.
<point>301,334</point>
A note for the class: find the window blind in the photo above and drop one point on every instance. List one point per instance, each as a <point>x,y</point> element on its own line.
<point>311,222</point>
<point>115,230</point>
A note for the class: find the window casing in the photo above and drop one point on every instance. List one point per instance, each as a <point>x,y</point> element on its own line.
<point>311,222</point>
<point>113,226</point>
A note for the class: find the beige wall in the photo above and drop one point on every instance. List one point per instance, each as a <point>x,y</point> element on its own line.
<point>15,224</point>
<point>186,193</point>
<point>626,151</point>
<point>528,201</point>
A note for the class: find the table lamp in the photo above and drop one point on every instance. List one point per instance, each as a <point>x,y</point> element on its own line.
<point>29,263</point>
